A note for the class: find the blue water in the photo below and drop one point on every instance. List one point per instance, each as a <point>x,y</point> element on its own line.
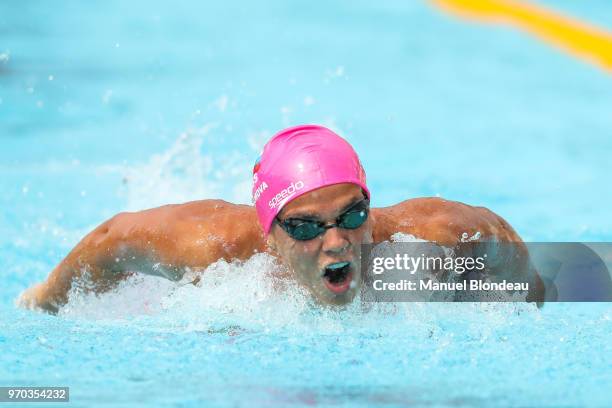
<point>111,106</point>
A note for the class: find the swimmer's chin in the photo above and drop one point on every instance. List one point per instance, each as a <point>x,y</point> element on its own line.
<point>343,299</point>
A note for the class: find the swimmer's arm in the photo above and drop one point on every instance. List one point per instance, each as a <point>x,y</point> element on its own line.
<point>164,241</point>
<point>508,255</point>
<point>103,258</point>
<point>455,224</point>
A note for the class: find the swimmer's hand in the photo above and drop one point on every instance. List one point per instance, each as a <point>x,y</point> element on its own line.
<point>34,298</point>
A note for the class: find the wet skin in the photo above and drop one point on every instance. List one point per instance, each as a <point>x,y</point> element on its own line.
<point>168,240</point>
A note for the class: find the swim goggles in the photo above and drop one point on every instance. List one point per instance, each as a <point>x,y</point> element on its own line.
<point>304,229</point>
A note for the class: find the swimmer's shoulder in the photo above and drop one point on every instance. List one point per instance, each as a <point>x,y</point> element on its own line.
<point>201,224</point>
<point>191,211</point>
<point>212,228</point>
<point>438,219</point>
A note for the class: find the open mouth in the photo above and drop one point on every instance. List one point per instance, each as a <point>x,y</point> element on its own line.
<point>338,276</point>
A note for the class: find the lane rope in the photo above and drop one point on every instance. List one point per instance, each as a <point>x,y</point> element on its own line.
<point>580,39</point>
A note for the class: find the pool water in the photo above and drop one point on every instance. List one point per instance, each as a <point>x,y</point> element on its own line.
<point>112,106</point>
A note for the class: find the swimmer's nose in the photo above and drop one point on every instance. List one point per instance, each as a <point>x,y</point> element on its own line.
<point>335,241</point>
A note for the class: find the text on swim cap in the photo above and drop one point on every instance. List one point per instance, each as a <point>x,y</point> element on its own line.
<point>286,193</point>
<point>260,189</point>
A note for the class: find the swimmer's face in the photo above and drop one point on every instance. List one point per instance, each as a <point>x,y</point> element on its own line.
<point>328,265</point>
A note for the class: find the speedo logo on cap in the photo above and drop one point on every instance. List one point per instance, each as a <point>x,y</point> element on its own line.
<point>286,193</point>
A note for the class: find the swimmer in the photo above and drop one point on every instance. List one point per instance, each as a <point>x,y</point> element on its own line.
<point>312,211</point>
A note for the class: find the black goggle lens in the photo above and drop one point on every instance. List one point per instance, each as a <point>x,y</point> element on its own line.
<point>304,230</point>
<point>353,219</point>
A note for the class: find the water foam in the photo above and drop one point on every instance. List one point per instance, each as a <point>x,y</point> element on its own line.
<point>250,295</point>
<point>258,296</point>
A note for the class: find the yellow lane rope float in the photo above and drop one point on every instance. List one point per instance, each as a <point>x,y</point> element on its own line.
<point>578,38</point>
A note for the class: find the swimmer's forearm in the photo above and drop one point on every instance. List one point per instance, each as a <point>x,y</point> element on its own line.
<point>102,259</point>
<point>89,257</point>
<point>53,293</point>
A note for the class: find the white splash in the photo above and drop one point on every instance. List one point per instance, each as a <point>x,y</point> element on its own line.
<point>401,237</point>
<point>249,295</point>
<point>252,296</point>
<point>188,170</point>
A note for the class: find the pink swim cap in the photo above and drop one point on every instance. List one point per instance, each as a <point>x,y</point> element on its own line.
<point>298,160</point>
